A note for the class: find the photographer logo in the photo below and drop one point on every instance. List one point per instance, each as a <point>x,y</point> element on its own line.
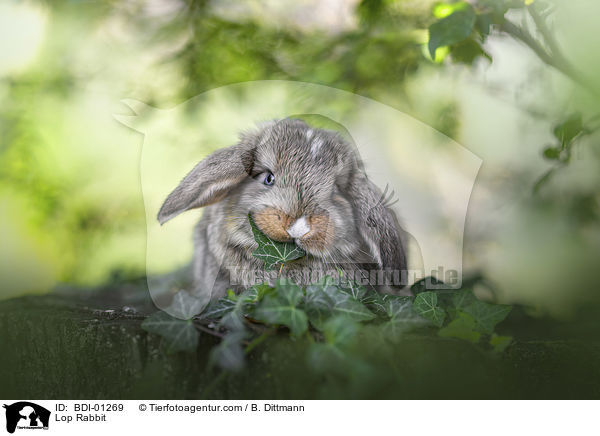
<point>24,415</point>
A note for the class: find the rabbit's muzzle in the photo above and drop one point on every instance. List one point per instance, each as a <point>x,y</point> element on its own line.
<point>310,232</point>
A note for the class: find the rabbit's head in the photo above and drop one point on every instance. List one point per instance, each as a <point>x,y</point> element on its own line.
<point>299,184</point>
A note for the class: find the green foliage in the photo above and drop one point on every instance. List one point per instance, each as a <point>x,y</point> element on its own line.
<point>452,29</point>
<point>335,315</point>
<point>426,305</point>
<point>400,314</point>
<point>339,331</point>
<point>467,51</point>
<point>185,305</point>
<point>229,354</point>
<point>224,51</point>
<point>470,318</point>
<point>462,299</point>
<point>335,312</point>
<point>566,133</point>
<point>324,302</point>
<point>271,252</point>
<point>462,327</point>
<point>461,28</point>
<point>218,309</point>
<point>486,315</point>
<point>567,130</point>
<point>177,334</point>
<point>500,343</point>
<point>282,308</point>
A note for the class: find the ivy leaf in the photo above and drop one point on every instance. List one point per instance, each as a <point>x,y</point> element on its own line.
<point>552,153</point>
<point>218,309</point>
<point>257,292</point>
<point>271,252</point>
<point>234,319</point>
<point>465,52</point>
<point>483,23</point>
<point>331,355</point>
<point>426,305</point>
<point>487,315</point>
<point>344,304</point>
<point>281,307</point>
<point>178,334</point>
<point>323,303</point>
<point>402,317</point>
<point>388,305</point>
<point>318,306</point>
<point>463,298</point>
<point>399,313</point>
<point>452,29</point>
<point>229,354</point>
<point>498,7</point>
<point>398,326</point>
<point>463,327</point>
<point>339,331</point>
<point>186,306</point>
<point>500,343</point>
<point>566,131</point>
<point>357,291</point>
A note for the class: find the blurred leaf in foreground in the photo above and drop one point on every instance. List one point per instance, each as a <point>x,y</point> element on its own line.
<point>282,308</point>
<point>463,327</point>
<point>229,354</point>
<point>500,343</point>
<point>566,131</point>
<point>178,334</point>
<point>186,306</point>
<point>452,29</point>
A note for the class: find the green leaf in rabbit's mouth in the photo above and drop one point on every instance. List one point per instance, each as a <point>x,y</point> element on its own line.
<point>271,252</point>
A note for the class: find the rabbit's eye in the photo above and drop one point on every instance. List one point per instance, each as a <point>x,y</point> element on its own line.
<point>268,178</point>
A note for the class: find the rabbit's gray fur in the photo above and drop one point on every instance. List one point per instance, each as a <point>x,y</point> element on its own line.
<point>316,172</point>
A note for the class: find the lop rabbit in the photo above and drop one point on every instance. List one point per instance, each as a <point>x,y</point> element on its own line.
<point>300,185</point>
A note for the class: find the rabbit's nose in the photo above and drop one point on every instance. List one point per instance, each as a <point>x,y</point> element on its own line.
<point>299,228</point>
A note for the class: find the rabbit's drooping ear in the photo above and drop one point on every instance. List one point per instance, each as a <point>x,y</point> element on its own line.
<point>209,181</point>
<point>377,224</point>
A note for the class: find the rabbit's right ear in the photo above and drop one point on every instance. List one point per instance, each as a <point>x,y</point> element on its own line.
<point>209,181</point>
<point>377,224</point>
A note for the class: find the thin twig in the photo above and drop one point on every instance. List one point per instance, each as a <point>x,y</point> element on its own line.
<point>558,62</point>
<point>524,36</point>
<point>555,50</point>
<point>545,31</point>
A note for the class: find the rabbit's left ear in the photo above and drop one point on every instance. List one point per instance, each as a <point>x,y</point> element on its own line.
<point>377,224</point>
<point>209,181</point>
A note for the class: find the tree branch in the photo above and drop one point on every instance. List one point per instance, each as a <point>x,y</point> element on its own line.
<point>518,33</point>
<point>555,58</point>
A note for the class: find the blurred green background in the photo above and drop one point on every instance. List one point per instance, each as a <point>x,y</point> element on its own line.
<point>71,208</point>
